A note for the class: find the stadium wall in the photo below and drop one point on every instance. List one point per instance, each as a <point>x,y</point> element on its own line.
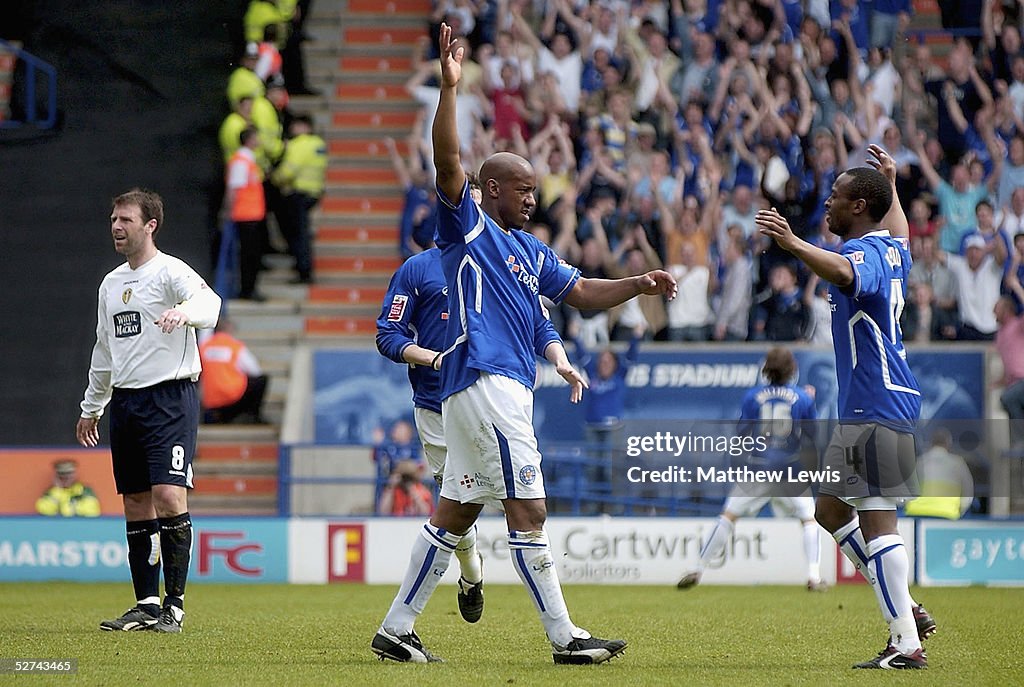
<point>621,551</point>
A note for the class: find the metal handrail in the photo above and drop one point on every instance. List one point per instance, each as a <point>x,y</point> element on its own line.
<point>33,63</point>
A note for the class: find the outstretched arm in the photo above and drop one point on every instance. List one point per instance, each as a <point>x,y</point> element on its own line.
<point>600,294</point>
<point>830,266</point>
<point>450,175</point>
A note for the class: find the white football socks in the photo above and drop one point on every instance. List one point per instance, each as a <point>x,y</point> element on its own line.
<point>469,559</point>
<point>851,542</point>
<point>431,554</point>
<point>720,536</point>
<point>888,556</point>
<point>812,550</point>
<point>531,557</point>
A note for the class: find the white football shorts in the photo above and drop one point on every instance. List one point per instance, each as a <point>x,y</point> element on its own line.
<point>747,499</point>
<point>430,427</point>
<point>492,450</point>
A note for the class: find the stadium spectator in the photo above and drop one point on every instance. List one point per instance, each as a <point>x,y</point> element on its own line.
<point>1011,216</point>
<point>689,316</point>
<point>559,58</point>
<point>782,315</point>
<point>947,488</point>
<point>921,222</point>
<point>783,413</point>
<point>957,200</point>
<point>979,274</point>
<point>921,320</point>
<point>147,374</point>
<point>1009,342</point>
<point>861,513</point>
<point>68,497</point>
<point>634,255</point>
<point>233,384</point>
<point>404,494</point>
<point>269,63</point>
<point>244,81</point>
<point>416,226</point>
<point>301,177</point>
<point>889,20</point>
<point>246,207</point>
<point>964,88</point>
<point>732,310</point>
<point>486,415</point>
<point>985,229</point>
<point>605,405</point>
<point>819,312</point>
<point>232,127</point>
<point>929,269</point>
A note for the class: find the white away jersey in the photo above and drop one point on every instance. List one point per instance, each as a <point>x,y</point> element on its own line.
<point>131,352</point>
<point>495,279</point>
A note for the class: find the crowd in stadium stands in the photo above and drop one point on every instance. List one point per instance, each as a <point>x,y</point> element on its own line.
<point>274,163</point>
<point>658,129</point>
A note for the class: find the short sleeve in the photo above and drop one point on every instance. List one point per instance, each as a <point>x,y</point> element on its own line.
<point>867,273</point>
<point>556,276</point>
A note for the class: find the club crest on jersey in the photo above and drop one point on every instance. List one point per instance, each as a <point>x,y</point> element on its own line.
<point>126,296</point>
<point>858,257</point>
<point>397,309</point>
<point>528,475</point>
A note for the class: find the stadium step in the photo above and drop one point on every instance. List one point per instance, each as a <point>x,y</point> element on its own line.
<point>376,64</point>
<point>376,34</point>
<point>370,265</point>
<point>391,206</point>
<point>359,327</point>
<point>416,8</point>
<point>359,91</point>
<point>374,120</point>
<point>363,175</point>
<point>347,234</point>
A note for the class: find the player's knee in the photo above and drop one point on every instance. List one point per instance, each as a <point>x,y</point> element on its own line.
<point>169,500</point>
<point>830,516</point>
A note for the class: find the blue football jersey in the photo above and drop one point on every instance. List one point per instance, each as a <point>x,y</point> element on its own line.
<point>782,415</point>
<point>875,382</point>
<point>415,310</point>
<point>495,279</point>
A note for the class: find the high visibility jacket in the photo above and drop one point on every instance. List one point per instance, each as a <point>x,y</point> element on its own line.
<point>230,130</point>
<point>77,499</point>
<point>261,13</point>
<point>223,382</point>
<point>268,123</point>
<point>936,506</point>
<point>244,82</point>
<point>303,166</point>
<point>246,179</point>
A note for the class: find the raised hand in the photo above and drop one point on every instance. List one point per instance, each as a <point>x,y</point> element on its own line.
<point>883,162</point>
<point>451,57</point>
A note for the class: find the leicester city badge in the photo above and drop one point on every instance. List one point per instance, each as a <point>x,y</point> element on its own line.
<point>528,475</point>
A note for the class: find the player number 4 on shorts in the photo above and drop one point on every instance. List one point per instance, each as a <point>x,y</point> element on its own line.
<point>177,457</point>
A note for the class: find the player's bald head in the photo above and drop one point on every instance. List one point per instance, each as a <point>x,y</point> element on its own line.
<point>504,166</point>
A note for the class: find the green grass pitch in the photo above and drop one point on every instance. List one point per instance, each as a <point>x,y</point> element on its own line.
<point>320,635</point>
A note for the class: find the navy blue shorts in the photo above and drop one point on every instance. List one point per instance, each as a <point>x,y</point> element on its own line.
<point>153,434</point>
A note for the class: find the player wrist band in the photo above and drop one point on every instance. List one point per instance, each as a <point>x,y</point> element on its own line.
<point>433,363</point>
